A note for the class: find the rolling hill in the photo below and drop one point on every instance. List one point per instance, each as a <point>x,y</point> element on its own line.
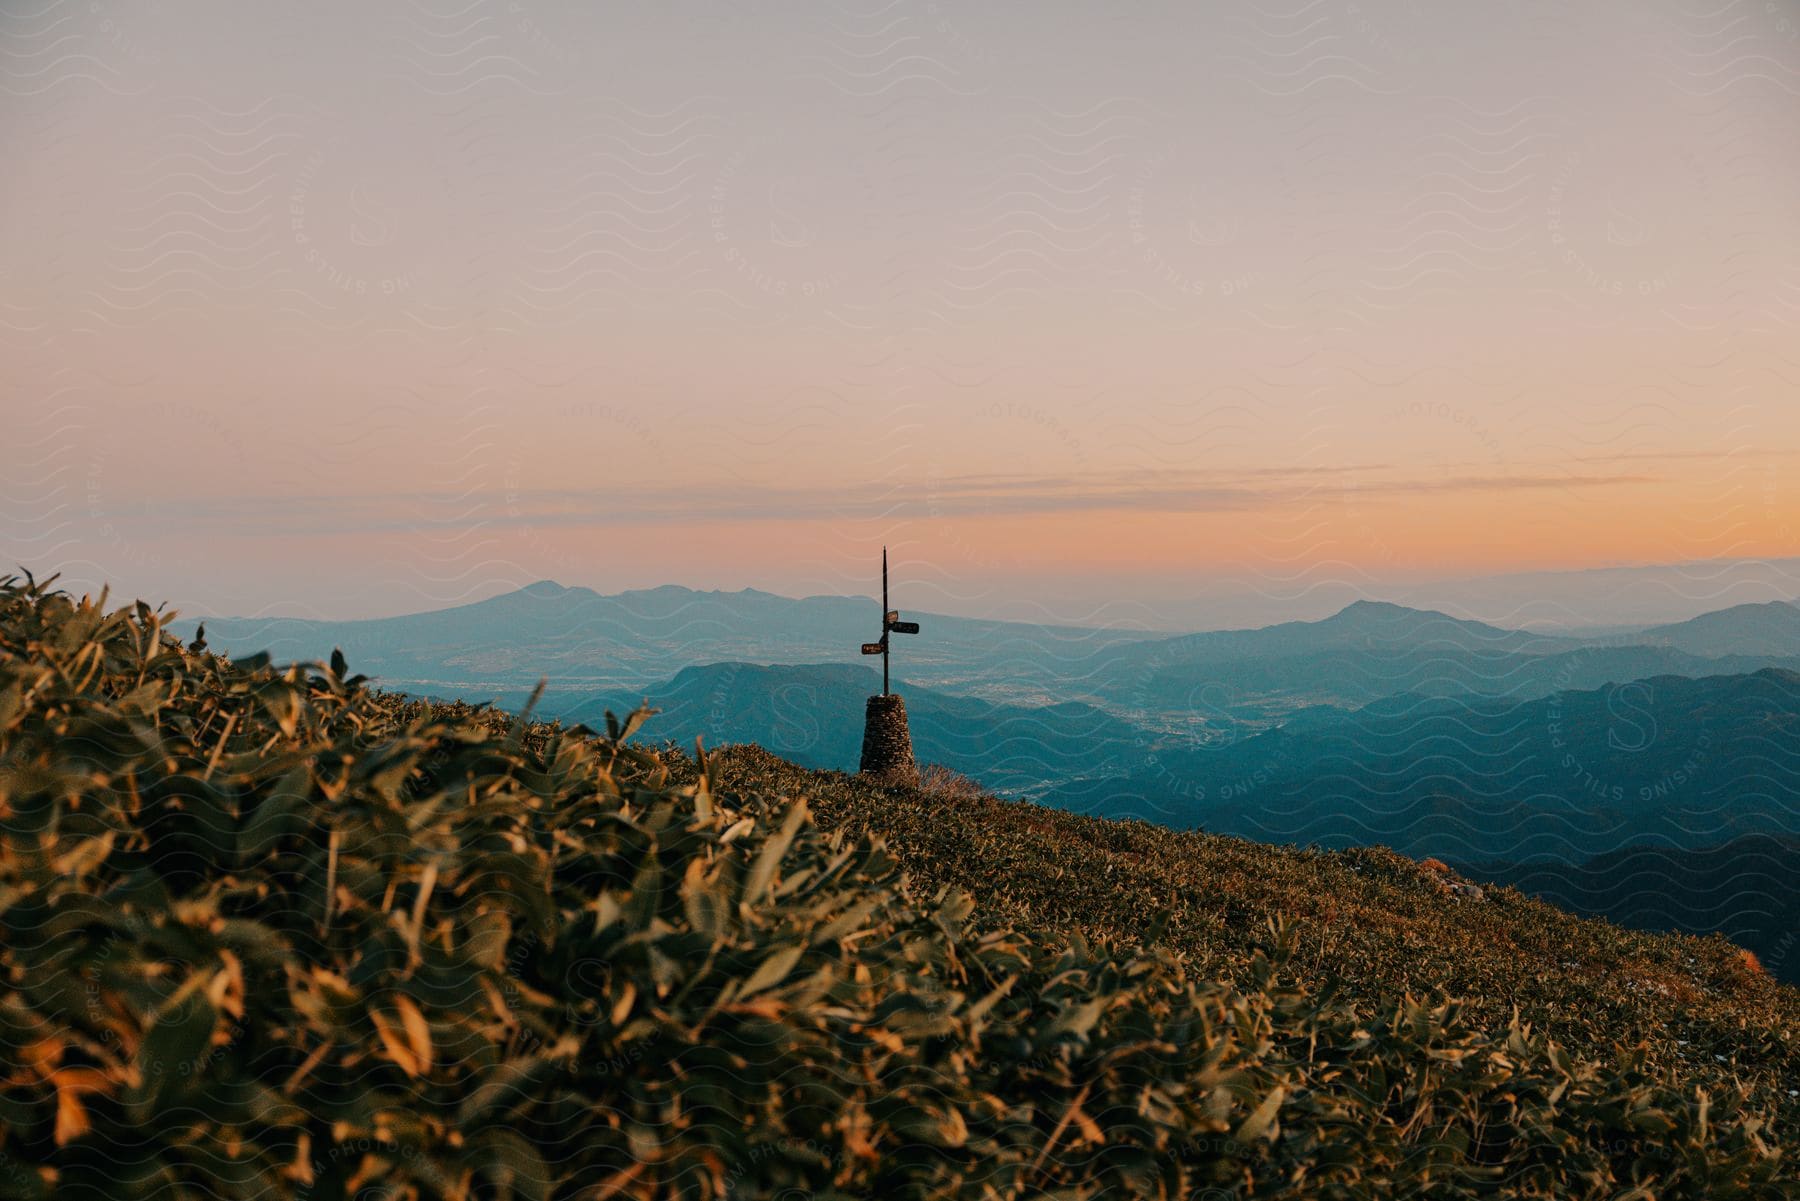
<point>1369,651</point>
<point>1766,629</point>
<point>1669,760</point>
<point>813,715</point>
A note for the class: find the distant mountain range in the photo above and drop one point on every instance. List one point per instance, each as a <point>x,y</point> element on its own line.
<point>1668,760</point>
<point>1612,597</point>
<point>1371,650</point>
<point>1768,629</point>
<point>1365,651</point>
<point>1199,685</point>
<point>813,715</point>
<point>585,643</point>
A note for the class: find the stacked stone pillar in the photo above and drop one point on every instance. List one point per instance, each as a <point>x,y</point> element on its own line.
<point>887,753</point>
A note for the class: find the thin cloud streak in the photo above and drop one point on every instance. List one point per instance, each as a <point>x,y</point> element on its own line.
<point>944,500</point>
<point>1749,452</point>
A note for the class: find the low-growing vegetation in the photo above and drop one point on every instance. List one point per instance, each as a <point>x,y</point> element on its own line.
<point>1367,922</point>
<point>937,780</point>
<point>270,933</point>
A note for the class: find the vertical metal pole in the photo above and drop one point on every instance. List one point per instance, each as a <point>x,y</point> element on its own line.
<point>884,629</point>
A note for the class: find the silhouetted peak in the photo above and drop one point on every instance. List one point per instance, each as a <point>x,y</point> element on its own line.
<point>1373,610</point>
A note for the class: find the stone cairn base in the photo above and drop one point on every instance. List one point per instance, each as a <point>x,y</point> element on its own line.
<point>887,753</point>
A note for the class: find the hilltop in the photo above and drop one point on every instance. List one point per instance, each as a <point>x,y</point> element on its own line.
<point>271,931</point>
<point>812,714</point>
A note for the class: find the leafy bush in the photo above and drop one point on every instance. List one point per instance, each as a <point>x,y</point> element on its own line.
<point>269,933</point>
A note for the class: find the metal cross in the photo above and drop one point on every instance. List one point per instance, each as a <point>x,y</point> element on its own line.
<point>890,624</point>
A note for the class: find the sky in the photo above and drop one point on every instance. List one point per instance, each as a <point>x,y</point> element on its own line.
<point>1155,313</point>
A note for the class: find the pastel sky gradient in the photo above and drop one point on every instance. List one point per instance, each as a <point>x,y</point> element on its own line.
<point>1113,312</point>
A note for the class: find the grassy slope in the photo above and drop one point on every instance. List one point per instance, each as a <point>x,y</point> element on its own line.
<point>1373,921</point>
<point>267,933</point>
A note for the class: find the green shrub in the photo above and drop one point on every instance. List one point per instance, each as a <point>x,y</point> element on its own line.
<point>269,933</point>
<point>938,780</point>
